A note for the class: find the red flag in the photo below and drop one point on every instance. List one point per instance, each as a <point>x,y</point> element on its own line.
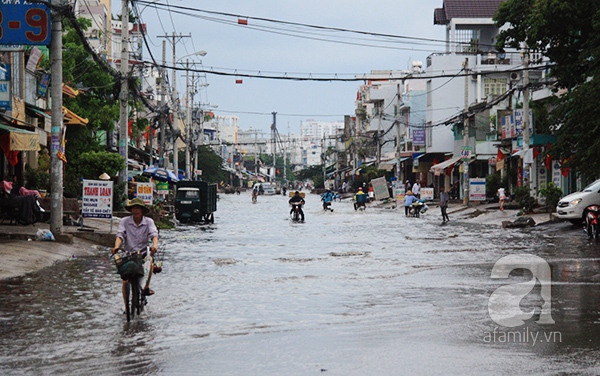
<point>11,156</point>
<point>238,81</point>
<point>242,21</point>
<point>500,155</point>
<point>536,152</point>
<point>565,171</point>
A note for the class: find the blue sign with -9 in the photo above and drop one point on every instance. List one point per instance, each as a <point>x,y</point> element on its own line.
<point>23,23</point>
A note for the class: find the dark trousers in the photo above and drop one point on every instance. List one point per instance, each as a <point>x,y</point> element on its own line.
<point>444,214</point>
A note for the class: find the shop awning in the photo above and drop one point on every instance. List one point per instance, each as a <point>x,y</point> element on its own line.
<point>38,112</point>
<point>20,139</point>
<point>71,118</point>
<point>445,164</point>
<point>69,91</point>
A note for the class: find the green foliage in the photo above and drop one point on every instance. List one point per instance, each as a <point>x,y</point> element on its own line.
<point>492,183</point>
<point>524,199</point>
<point>568,34</point>
<point>90,165</point>
<point>552,194</point>
<point>93,164</point>
<point>366,175</point>
<point>37,178</point>
<point>211,165</point>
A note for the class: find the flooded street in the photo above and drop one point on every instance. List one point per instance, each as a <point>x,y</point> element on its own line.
<point>345,293</point>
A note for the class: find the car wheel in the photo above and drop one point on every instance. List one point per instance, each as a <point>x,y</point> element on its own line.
<point>576,222</point>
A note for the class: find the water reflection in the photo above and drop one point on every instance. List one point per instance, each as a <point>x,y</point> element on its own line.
<point>348,292</point>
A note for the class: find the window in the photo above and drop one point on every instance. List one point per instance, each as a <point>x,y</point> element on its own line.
<point>494,86</point>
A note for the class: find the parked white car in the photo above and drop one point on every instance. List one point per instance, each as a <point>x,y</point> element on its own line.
<point>269,189</point>
<point>265,188</point>
<point>572,207</point>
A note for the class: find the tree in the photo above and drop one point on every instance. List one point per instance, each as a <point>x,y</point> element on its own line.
<point>211,165</point>
<point>568,33</point>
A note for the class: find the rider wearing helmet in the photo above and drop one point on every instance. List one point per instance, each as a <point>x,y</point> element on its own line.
<point>296,198</point>
<point>360,199</point>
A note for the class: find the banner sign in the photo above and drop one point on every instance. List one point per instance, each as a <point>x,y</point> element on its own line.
<point>144,191</point>
<point>5,93</point>
<point>426,194</point>
<point>24,23</point>
<point>162,188</point>
<point>418,137</point>
<point>97,199</point>
<point>477,189</point>
<point>400,193</point>
<point>380,188</point>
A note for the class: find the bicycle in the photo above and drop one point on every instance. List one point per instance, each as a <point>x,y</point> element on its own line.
<point>133,267</point>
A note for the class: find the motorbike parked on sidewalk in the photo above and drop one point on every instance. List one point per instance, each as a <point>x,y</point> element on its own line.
<point>591,221</point>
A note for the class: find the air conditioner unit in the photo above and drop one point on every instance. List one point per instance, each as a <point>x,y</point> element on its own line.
<point>515,76</point>
<point>94,33</point>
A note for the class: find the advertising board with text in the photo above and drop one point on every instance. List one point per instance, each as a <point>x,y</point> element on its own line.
<point>144,191</point>
<point>97,199</point>
<point>477,189</point>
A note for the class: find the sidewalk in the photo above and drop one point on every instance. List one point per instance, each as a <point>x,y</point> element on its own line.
<point>22,253</point>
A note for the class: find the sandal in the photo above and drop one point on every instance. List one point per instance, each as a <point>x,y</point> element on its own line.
<point>147,292</point>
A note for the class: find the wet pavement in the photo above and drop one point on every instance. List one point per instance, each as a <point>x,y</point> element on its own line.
<point>345,293</point>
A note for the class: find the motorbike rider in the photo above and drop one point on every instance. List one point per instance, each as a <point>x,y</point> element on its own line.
<point>327,198</point>
<point>297,199</point>
<point>360,198</point>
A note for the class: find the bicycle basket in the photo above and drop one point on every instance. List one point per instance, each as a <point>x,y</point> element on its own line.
<point>130,266</point>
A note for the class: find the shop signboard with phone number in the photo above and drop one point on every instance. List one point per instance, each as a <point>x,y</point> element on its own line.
<point>24,23</point>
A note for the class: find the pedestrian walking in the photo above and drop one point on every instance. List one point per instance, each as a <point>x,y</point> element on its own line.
<point>444,198</point>
<point>502,197</point>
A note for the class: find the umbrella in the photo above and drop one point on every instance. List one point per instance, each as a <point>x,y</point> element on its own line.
<point>161,174</point>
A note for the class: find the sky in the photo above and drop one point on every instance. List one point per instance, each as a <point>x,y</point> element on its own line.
<point>247,49</point>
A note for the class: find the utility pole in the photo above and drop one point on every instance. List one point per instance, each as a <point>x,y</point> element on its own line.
<point>163,92</point>
<point>398,128</point>
<point>174,39</point>
<point>526,122</point>
<point>274,141</point>
<point>123,98</point>
<point>466,134</point>
<point>188,118</point>
<point>56,178</point>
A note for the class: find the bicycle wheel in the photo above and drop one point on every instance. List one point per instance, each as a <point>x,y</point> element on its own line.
<point>128,306</point>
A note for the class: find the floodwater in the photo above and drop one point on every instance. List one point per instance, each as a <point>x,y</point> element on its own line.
<point>345,293</point>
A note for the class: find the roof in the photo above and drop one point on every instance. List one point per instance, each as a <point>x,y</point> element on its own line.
<point>465,9</point>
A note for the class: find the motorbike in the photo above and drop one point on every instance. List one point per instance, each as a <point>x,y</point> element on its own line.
<point>592,227</point>
<point>296,216</point>
<point>327,205</point>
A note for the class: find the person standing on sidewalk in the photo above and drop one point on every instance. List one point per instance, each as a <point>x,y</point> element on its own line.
<point>416,189</point>
<point>444,198</point>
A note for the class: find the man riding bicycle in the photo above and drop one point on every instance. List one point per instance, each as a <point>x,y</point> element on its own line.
<point>133,235</point>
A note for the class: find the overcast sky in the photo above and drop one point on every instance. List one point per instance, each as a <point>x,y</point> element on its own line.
<point>231,46</point>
